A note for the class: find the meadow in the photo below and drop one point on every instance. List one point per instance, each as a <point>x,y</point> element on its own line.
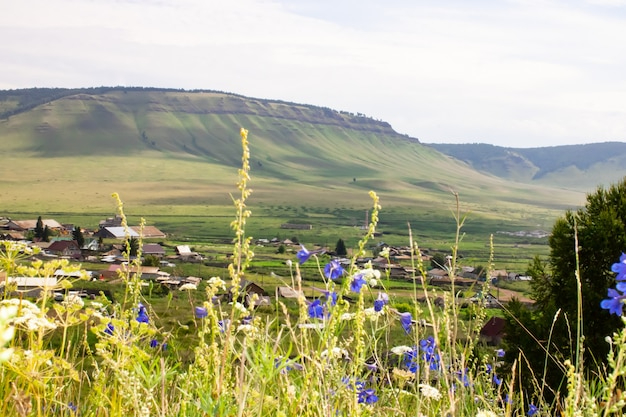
<point>363,347</point>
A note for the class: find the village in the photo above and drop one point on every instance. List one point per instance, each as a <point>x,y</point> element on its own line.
<point>110,255</point>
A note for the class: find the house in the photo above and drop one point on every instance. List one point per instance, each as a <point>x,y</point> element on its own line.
<point>149,232</point>
<point>492,331</point>
<point>25,225</point>
<point>248,290</point>
<point>111,222</point>
<point>153,249</point>
<point>116,232</point>
<point>288,292</point>
<point>15,236</point>
<point>65,248</point>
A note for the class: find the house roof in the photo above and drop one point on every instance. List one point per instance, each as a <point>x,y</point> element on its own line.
<point>32,224</point>
<point>153,248</point>
<point>120,232</point>
<point>493,327</point>
<point>149,231</point>
<point>61,245</point>
<point>183,250</point>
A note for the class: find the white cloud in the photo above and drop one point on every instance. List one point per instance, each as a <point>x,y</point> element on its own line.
<point>517,73</point>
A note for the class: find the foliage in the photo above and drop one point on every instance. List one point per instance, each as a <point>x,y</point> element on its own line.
<point>340,248</point>
<point>77,234</point>
<point>151,260</point>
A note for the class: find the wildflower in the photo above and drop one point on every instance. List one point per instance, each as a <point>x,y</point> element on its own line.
<point>620,268</point>
<point>335,352</point>
<point>368,396</point>
<point>496,380</point>
<point>357,282</point>
<point>406,320</point>
<point>288,263</point>
<point>347,316</point>
<point>316,310</point>
<point>372,367</point>
<point>614,303</point>
<point>188,286</point>
<point>223,324</point>
<point>532,410</point>
<point>154,343</point>
<point>109,329</point>
<point>333,270</point>
<point>73,408</point>
<point>331,297</point>
<point>201,312</point>
<point>400,350</point>
<point>142,316</point>
<point>303,255</point>
<point>500,353</point>
<point>217,283</point>
<point>430,392</point>
<point>380,302</point>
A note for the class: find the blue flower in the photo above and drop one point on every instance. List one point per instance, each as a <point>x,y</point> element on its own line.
<point>316,310</point>
<point>142,316</point>
<point>380,302</point>
<point>532,410</point>
<point>73,408</point>
<point>303,255</point>
<point>333,270</point>
<point>331,297</point>
<point>620,268</point>
<point>357,282</point>
<point>154,343</point>
<point>407,321</point>
<point>496,380</point>
<point>614,303</point>
<point>368,396</point>
<point>110,329</point>
<point>500,353</point>
<point>201,312</point>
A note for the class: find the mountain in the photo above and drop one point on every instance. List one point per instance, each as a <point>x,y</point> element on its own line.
<point>579,167</point>
<point>179,151</point>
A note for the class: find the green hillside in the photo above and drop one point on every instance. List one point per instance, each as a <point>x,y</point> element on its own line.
<point>176,153</point>
<point>577,167</point>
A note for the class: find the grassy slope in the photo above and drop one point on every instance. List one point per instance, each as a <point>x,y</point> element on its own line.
<point>173,158</point>
<point>576,167</point>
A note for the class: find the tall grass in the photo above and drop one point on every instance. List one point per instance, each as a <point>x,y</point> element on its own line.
<point>354,351</point>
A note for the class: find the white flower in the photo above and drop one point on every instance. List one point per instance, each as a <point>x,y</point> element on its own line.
<point>73,301</point>
<point>372,314</point>
<point>347,316</point>
<point>385,252</point>
<point>486,413</point>
<point>217,283</point>
<point>373,282</point>
<point>319,325</point>
<point>248,329</point>
<point>240,307</point>
<point>288,263</point>
<point>188,286</point>
<point>430,392</point>
<point>400,350</point>
<point>335,353</point>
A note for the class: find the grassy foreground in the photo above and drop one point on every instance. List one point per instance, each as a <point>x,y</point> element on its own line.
<point>321,357</point>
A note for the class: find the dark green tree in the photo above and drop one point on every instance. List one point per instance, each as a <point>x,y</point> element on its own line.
<point>151,260</point>
<point>45,236</point>
<point>340,248</point>
<point>132,246</point>
<point>438,260</point>
<point>77,234</point>
<point>39,228</point>
<point>597,234</point>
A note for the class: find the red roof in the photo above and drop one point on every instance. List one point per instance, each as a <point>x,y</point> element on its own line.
<point>493,327</point>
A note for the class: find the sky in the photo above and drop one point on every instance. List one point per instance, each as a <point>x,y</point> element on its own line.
<point>516,73</point>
